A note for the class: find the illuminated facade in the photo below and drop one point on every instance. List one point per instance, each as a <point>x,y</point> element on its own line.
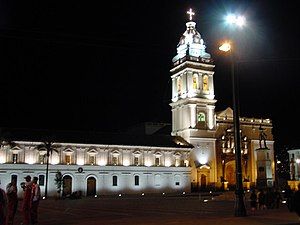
<point>194,118</point>
<point>107,168</point>
<point>198,154</point>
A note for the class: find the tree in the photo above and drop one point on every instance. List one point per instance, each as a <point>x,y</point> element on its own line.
<point>49,147</point>
<point>58,182</point>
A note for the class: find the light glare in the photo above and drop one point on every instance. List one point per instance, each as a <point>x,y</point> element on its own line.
<point>225,47</point>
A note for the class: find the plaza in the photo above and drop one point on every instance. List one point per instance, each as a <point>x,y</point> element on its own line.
<point>156,209</point>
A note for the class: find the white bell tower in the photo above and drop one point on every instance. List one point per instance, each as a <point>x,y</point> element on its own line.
<point>193,103</point>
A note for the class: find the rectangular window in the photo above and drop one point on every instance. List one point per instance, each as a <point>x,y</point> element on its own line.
<point>115,181</point>
<point>41,180</point>
<point>15,158</point>
<point>115,160</point>
<point>157,161</point>
<point>68,159</point>
<point>136,160</point>
<point>92,159</point>
<point>177,183</point>
<point>136,180</point>
<point>42,159</point>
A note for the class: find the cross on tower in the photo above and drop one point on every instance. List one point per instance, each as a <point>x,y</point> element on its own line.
<point>191,14</point>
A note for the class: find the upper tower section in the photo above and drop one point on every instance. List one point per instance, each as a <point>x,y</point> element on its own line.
<point>191,43</point>
<point>192,74</point>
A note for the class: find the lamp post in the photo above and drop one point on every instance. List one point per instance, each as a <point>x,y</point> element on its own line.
<point>240,209</point>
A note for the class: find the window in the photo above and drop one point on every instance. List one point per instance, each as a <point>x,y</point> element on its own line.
<point>41,180</point>
<point>136,160</point>
<point>205,83</point>
<point>179,84</point>
<point>92,159</point>
<point>177,183</point>
<point>15,158</point>
<point>136,180</point>
<point>201,117</point>
<point>157,161</point>
<point>177,161</point>
<point>42,158</point>
<point>115,181</point>
<point>195,82</point>
<point>115,160</point>
<point>68,159</point>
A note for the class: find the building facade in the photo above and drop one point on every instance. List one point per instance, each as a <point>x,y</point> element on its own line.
<point>199,153</point>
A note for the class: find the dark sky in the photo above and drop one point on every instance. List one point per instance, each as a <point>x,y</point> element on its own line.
<point>93,65</point>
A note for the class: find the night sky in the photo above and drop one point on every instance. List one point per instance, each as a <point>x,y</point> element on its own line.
<point>98,66</point>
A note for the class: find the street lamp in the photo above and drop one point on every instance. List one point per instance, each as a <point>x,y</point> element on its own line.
<point>240,209</point>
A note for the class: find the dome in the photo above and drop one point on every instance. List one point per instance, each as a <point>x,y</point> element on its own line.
<point>191,43</point>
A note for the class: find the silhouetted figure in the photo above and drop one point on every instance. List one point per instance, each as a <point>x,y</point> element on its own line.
<point>297,201</point>
<point>253,201</point>
<point>26,203</point>
<point>3,207</point>
<point>278,198</point>
<point>12,197</point>
<point>289,198</point>
<point>262,200</point>
<point>35,199</point>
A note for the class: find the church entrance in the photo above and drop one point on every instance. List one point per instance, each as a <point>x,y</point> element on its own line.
<point>230,173</point>
<point>67,185</point>
<point>91,187</point>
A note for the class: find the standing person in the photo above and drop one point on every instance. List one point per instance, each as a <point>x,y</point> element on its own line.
<point>12,197</point>
<point>278,198</point>
<point>262,200</point>
<point>297,201</point>
<point>35,199</point>
<point>253,201</point>
<point>27,187</point>
<point>3,207</point>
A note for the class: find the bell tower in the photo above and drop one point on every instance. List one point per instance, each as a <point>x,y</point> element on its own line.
<point>193,103</point>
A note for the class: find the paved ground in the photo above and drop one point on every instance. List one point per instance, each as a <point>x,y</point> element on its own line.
<point>163,210</point>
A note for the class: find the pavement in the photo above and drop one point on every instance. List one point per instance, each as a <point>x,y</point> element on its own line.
<point>166,209</point>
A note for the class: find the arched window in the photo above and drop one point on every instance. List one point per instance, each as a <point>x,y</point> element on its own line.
<point>195,81</point>
<point>205,83</point>
<point>115,180</point>
<point>179,85</point>
<point>201,117</point>
<point>136,180</point>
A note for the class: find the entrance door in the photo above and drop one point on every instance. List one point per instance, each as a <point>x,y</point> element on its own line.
<point>91,187</point>
<point>67,185</point>
<point>203,181</point>
<point>230,173</point>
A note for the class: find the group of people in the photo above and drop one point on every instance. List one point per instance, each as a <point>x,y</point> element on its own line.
<point>30,203</point>
<point>271,198</point>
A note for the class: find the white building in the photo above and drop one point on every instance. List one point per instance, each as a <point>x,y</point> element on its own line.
<point>199,153</point>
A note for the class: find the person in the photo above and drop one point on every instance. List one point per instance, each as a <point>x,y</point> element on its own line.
<point>297,201</point>
<point>253,201</point>
<point>35,199</point>
<point>12,197</point>
<point>262,200</point>
<point>3,207</point>
<point>27,187</point>
<point>289,198</point>
<point>278,198</point>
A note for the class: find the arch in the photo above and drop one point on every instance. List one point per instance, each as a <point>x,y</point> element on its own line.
<point>91,186</point>
<point>205,83</point>
<point>230,172</point>
<point>67,185</point>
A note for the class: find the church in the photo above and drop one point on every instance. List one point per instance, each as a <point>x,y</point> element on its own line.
<point>197,154</point>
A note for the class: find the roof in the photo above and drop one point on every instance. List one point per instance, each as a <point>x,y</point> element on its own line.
<point>91,137</point>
